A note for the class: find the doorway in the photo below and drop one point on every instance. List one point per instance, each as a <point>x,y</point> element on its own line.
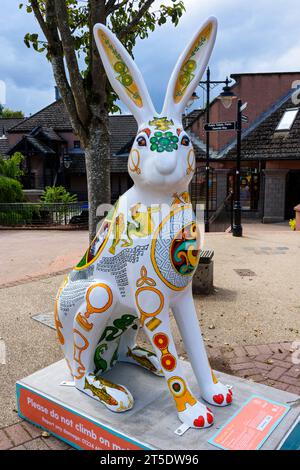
<point>292,193</point>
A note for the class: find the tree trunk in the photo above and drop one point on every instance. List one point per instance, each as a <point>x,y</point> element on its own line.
<point>97,153</point>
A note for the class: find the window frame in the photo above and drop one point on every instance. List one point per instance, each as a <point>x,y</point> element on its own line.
<point>286,128</point>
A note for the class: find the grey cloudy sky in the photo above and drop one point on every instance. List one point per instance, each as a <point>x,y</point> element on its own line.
<point>257,35</point>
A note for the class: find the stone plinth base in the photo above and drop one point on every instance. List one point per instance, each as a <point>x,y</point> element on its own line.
<point>86,424</point>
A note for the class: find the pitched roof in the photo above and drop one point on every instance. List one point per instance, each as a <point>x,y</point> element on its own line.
<point>123,128</point>
<point>54,116</point>
<point>47,133</point>
<point>118,164</point>
<point>8,123</point>
<point>263,142</point>
<point>29,141</point>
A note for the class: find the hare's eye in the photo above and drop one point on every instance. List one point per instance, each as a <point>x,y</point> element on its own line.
<point>185,141</point>
<point>142,142</point>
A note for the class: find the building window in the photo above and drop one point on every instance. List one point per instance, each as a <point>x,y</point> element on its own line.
<point>76,144</point>
<point>287,119</point>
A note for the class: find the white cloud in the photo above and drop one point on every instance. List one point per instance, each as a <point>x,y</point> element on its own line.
<point>261,35</point>
<point>28,99</point>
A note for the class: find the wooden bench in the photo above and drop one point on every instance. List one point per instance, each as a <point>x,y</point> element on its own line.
<point>203,281</point>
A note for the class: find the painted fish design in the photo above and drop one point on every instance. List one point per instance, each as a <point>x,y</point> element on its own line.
<point>143,361</point>
<point>101,393</point>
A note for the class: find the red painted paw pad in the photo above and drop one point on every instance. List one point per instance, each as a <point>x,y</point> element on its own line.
<point>199,422</point>
<point>218,399</point>
<point>230,391</point>
<point>229,398</point>
<point>210,418</point>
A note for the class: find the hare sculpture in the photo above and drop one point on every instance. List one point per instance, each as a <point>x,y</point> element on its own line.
<point>142,261</point>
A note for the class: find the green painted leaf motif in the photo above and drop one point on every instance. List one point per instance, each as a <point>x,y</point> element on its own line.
<point>100,363</point>
<point>114,357</point>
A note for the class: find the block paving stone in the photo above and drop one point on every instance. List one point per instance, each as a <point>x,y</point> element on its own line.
<point>270,364</point>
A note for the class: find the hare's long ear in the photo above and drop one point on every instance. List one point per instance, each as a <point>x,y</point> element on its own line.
<point>189,70</point>
<point>123,74</point>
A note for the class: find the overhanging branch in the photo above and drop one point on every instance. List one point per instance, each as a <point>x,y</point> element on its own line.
<point>134,22</point>
<point>68,46</point>
<point>58,66</point>
<point>112,6</point>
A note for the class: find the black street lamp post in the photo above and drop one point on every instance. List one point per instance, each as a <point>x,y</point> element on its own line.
<point>237,229</point>
<point>207,169</point>
<point>226,97</point>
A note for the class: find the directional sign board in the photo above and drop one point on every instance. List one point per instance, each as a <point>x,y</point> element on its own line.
<point>220,126</point>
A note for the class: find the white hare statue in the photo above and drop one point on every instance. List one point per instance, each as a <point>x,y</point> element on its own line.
<point>142,261</point>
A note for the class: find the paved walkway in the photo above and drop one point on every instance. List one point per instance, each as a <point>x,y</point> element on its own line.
<point>273,364</point>
<point>34,254</point>
<point>25,436</point>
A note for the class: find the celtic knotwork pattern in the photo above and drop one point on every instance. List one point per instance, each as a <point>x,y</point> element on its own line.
<point>184,253</point>
<point>175,248</point>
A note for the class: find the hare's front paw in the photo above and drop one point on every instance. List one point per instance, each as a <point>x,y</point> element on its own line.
<point>218,394</point>
<point>115,397</point>
<point>197,416</point>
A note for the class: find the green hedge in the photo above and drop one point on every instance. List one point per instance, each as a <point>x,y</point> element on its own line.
<point>28,214</point>
<point>10,190</point>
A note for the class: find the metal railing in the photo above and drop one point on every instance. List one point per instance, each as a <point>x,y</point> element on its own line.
<point>44,214</point>
<point>222,218</point>
<point>198,189</point>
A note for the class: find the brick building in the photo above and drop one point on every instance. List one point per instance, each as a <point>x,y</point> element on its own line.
<point>54,154</point>
<point>270,178</point>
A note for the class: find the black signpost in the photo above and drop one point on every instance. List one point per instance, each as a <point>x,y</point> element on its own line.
<point>220,126</point>
<point>237,125</point>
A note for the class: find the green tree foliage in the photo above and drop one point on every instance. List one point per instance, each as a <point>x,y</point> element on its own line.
<point>55,194</point>
<point>9,113</point>
<point>10,190</point>
<point>10,173</point>
<point>12,167</point>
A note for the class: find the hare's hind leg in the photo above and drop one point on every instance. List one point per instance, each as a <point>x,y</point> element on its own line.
<point>89,325</point>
